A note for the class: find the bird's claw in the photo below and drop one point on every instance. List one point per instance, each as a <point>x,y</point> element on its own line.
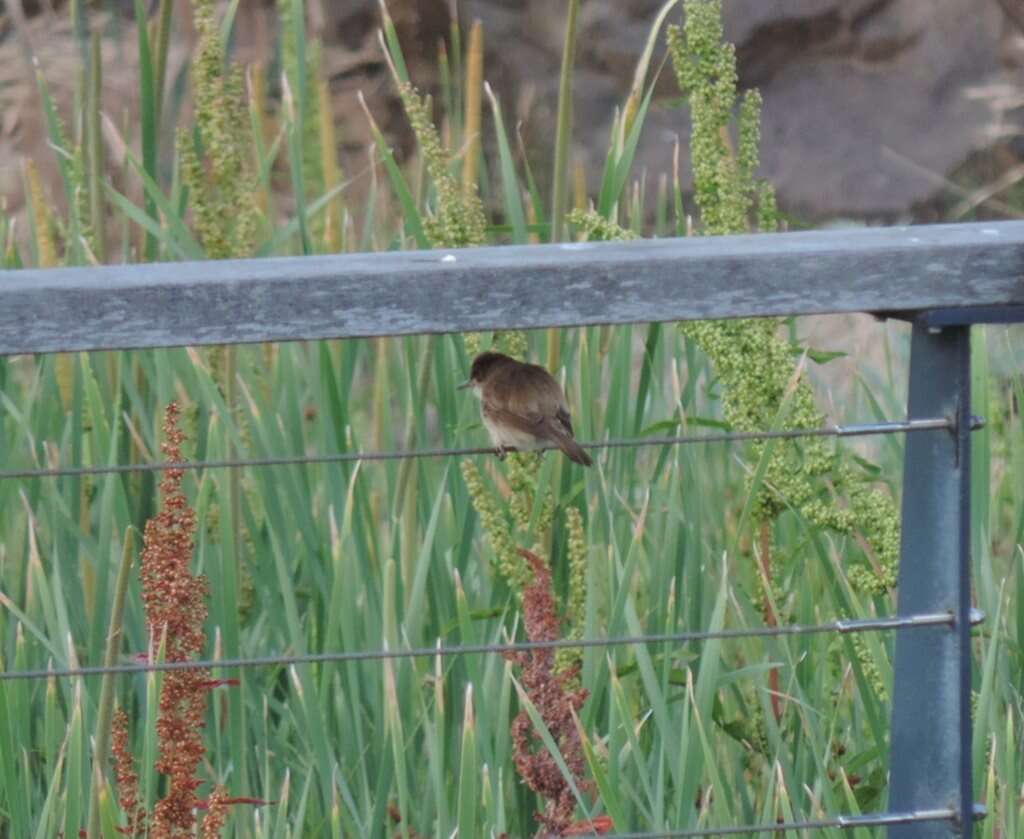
<point>502,451</point>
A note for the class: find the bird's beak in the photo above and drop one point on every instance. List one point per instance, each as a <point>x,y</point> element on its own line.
<point>465,384</point>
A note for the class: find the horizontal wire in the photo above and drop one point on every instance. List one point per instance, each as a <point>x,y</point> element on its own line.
<point>840,626</point>
<point>840,822</point>
<point>860,430</point>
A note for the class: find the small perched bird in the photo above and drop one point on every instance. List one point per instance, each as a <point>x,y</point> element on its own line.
<point>522,406</point>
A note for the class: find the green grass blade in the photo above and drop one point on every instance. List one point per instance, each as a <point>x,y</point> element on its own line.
<point>94,145</point>
<point>104,712</point>
<point>469,769</point>
<point>147,222</point>
<point>148,116</point>
<point>392,45</point>
<point>510,183</point>
<point>410,212</point>
<point>563,127</point>
<point>615,178</point>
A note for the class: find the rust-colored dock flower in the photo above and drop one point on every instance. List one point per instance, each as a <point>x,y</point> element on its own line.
<point>175,599</point>
<point>216,813</point>
<point>127,779</point>
<point>552,695</point>
<point>175,605</point>
<point>175,602</point>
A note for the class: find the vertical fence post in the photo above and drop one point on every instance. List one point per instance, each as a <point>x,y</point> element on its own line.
<point>930,763</point>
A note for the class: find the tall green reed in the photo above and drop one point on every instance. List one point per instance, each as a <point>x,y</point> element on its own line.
<point>322,558</point>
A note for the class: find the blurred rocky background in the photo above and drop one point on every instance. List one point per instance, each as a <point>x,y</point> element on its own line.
<point>875,110</point>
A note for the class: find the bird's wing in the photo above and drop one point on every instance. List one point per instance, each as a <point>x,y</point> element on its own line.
<point>522,396</point>
<point>559,431</point>
<point>562,415</point>
<point>530,424</point>
<point>552,429</point>
<point>530,390</point>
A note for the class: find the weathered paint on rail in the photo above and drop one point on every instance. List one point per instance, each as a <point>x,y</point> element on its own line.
<point>409,292</point>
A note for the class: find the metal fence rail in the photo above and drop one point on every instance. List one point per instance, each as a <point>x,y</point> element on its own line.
<point>884,270</point>
<point>941,278</point>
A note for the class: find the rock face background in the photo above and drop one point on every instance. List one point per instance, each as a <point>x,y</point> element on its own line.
<point>869,104</point>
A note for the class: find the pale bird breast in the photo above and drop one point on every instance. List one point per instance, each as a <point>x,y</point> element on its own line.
<point>504,435</point>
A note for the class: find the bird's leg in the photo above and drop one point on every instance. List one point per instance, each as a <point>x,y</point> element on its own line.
<point>502,451</point>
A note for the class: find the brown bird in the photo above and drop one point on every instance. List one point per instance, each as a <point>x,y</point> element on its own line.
<point>522,406</point>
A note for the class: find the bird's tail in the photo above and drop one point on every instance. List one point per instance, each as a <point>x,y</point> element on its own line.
<point>567,443</point>
<point>574,452</point>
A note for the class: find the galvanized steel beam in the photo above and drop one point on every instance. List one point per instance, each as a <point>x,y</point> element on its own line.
<point>930,760</point>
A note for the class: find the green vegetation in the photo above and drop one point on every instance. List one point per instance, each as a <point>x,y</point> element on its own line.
<point>340,557</point>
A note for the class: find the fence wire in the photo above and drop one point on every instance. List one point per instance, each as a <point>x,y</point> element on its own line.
<point>947,619</point>
<point>840,626</point>
<point>858,430</point>
<point>835,822</point>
